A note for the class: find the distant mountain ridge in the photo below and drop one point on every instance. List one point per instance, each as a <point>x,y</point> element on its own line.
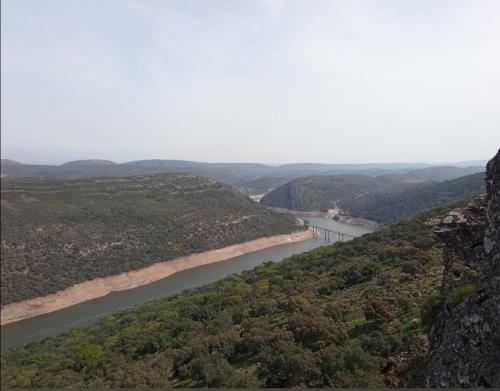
<point>255,177</point>
<point>10,162</point>
<point>435,173</point>
<point>88,162</point>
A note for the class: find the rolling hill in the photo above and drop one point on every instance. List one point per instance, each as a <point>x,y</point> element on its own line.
<point>382,199</point>
<point>57,234</point>
<point>89,162</point>
<point>389,207</point>
<point>320,193</point>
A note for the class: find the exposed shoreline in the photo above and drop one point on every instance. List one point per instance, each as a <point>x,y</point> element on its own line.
<point>99,287</point>
<point>359,221</point>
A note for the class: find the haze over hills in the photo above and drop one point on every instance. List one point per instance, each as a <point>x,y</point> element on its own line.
<point>57,234</point>
<point>251,177</point>
<point>435,173</point>
<point>384,199</point>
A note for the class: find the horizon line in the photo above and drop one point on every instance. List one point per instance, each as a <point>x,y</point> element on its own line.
<point>434,163</point>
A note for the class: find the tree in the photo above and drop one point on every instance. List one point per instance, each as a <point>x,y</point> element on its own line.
<point>286,365</point>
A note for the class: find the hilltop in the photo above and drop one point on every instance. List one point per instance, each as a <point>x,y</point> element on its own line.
<point>88,162</point>
<point>10,162</point>
<point>57,234</point>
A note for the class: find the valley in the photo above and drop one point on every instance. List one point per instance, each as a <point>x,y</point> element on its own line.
<point>263,194</point>
<point>88,312</point>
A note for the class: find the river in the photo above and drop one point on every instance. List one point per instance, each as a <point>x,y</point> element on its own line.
<point>57,322</point>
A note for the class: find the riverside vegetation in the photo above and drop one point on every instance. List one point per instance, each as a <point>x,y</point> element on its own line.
<point>57,234</point>
<point>351,314</point>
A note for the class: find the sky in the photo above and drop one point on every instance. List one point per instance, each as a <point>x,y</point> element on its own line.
<point>270,81</point>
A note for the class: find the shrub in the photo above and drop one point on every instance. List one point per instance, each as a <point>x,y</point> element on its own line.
<point>459,294</point>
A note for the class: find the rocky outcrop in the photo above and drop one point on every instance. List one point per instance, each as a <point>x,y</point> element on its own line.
<point>465,345</point>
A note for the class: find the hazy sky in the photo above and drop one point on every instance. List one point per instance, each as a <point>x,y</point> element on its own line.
<point>272,81</point>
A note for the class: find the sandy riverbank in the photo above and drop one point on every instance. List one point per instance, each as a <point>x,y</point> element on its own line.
<point>102,286</point>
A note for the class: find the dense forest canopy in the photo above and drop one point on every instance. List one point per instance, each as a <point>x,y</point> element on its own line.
<point>354,314</point>
<point>384,199</point>
<point>390,207</point>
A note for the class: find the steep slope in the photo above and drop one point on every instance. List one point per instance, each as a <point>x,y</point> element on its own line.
<point>388,207</point>
<point>326,192</point>
<point>263,184</point>
<point>56,234</point>
<point>381,199</point>
<point>465,350</point>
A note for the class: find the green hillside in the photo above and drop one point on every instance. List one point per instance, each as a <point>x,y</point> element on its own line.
<point>353,314</point>
<point>382,199</point>
<point>389,207</point>
<point>56,234</point>
<point>324,192</point>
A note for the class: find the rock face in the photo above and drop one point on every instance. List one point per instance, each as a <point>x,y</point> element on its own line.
<point>465,346</point>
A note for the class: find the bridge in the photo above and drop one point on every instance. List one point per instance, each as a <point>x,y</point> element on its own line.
<point>329,234</point>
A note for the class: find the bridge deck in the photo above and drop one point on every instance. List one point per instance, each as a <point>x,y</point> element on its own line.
<point>329,234</point>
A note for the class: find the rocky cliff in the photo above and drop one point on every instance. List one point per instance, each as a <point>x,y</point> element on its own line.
<point>465,346</point>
